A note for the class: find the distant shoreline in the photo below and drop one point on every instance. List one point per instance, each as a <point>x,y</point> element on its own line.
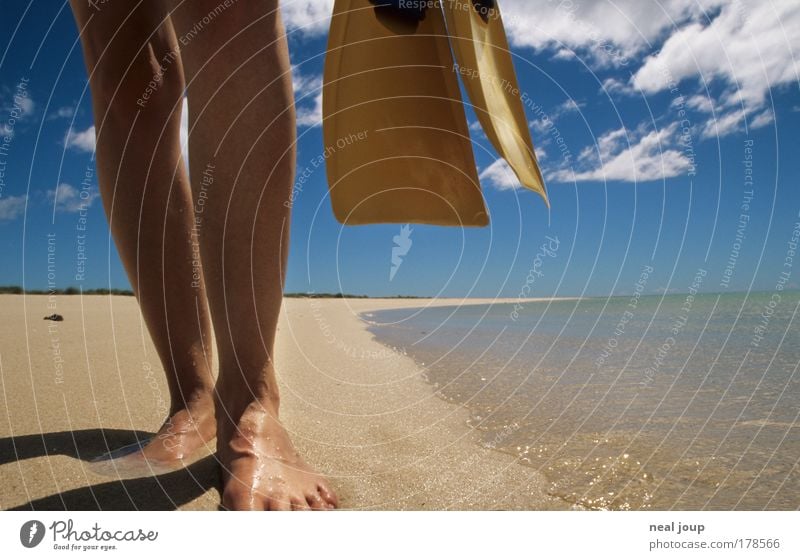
<point>73,291</point>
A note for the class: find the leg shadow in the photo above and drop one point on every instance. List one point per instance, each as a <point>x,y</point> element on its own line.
<point>163,492</point>
<point>80,444</point>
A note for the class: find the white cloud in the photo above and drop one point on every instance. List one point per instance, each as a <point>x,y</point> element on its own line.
<point>631,156</point>
<point>310,116</point>
<point>15,104</point>
<point>750,50</point>
<point>20,105</point>
<point>540,126</point>
<point>723,125</point>
<point>614,86</point>
<point>11,207</point>
<point>83,141</point>
<point>607,33</point>
<point>547,121</point>
<point>62,113</point>
<point>500,175</point>
<point>307,88</point>
<point>701,103</point>
<point>26,105</point>
<point>763,119</point>
<point>476,129</point>
<point>69,199</point>
<point>733,121</point>
<point>564,54</point>
<point>570,106</point>
<point>308,17</point>
<point>305,84</point>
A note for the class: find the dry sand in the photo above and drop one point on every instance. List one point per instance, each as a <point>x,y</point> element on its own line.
<point>358,411</point>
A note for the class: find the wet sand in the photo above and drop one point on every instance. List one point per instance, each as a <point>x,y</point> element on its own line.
<point>358,411</point>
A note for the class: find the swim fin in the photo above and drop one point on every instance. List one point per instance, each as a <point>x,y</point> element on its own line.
<point>484,61</point>
<point>397,141</point>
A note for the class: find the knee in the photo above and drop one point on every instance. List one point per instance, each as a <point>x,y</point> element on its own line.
<point>144,79</point>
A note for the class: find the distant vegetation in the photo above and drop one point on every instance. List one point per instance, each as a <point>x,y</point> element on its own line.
<point>321,295</point>
<point>71,291</point>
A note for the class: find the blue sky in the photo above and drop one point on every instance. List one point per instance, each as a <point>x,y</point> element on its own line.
<point>652,122</point>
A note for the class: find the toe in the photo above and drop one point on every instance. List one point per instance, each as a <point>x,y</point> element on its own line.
<point>328,495</point>
<point>280,503</point>
<point>316,502</point>
<point>299,504</point>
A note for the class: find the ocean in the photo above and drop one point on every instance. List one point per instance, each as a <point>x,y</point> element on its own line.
<point>686,402</point>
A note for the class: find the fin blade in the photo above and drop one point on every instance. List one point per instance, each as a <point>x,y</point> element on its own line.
<point>487,70</point>
<point>394,122</point>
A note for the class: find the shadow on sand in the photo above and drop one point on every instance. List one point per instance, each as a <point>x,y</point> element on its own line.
<point>163,492</point>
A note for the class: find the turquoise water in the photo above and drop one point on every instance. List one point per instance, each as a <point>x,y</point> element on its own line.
<point>651,402</point>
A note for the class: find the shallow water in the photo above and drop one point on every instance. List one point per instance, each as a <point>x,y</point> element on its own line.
<point>627,403</point>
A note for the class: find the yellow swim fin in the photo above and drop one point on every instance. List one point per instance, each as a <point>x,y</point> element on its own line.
<point>397,141</point>
<point>481,49</point>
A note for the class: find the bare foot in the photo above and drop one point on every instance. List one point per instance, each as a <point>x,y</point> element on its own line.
<point>181,439</point>
<point>261,468</point>
<point>184,433</point>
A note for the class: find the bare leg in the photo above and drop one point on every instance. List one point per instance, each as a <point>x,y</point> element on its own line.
<point>148,202</point>
<point>242,131</point>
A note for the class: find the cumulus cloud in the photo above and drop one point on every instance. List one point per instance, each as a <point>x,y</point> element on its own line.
<point>701,103</point>
<point>750,51</point>
<point>613,86</point>
<point>734,121</point>
<point>62,113</point>
<point>540,126</point>
<point>308,96</point>
<point>570,106</point>
<point>81,141</point>
<point>630,156</point>
<point>17,103</point>
<point>69,199</point>
<point>749,48</point>
<point>763,119</point>
<point>11,207</point>
<point>26,105</point>
<point>500,176</point>
<point>310,116</point>
<point>547,120</point>
<point>628,26</point>
<point>308,17</point>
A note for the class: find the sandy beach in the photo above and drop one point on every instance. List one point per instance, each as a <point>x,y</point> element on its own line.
<point>359,411</point>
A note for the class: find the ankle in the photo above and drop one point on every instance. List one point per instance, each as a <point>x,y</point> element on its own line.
<point>196,401</point>
<point>234,402</point>
<point>236,392</point>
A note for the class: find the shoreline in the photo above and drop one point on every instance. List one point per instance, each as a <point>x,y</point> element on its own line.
<point>360,414</point>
